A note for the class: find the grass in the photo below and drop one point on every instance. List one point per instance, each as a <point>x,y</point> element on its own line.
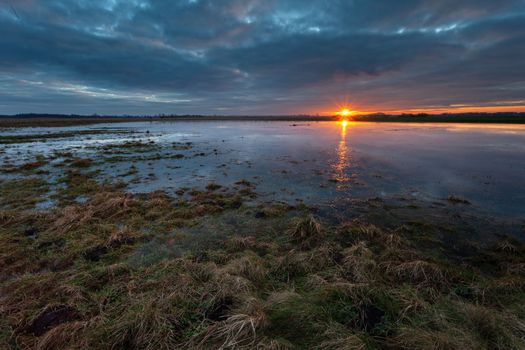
<point>81,162</point>
<point>22,193</point>
<point>129,147</point>
<point>154,271</point>
<point>26,167</point>
<point>306,229</point>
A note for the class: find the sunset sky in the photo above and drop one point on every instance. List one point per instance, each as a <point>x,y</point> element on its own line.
<point>261,57</point>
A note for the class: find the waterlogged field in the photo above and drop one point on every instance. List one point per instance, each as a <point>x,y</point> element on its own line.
<point>269,235</point>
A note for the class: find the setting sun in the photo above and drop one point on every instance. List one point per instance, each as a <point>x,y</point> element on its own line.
<point>344,112</point>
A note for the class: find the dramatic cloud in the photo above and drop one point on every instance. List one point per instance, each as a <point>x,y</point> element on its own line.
<point>259,57</point>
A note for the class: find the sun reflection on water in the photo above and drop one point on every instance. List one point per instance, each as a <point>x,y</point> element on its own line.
<point>343,157</point>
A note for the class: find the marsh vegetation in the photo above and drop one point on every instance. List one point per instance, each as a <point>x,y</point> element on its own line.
<point>86,263</point>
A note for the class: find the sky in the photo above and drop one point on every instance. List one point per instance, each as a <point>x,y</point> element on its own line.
<point>254,57</point>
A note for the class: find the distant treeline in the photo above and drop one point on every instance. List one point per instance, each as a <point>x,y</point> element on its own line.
<point>70,119</point>
<point>503,117</point>
<point>34,119</point>
<point>47,115</point>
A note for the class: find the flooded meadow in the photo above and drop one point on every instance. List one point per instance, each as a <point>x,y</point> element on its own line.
<point>229,234</point>
<point>317,162</point>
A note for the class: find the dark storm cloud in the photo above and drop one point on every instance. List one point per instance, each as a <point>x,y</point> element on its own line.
<point>118,60</point>
<point>304,60</point>
<point>233,56</point>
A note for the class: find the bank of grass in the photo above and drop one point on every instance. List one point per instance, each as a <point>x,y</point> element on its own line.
<point>76,278</point>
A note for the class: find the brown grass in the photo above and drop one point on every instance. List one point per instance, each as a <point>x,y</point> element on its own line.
<point>249,266</point>
<point>423,339</point>
<point>339,338</point>
<point>240,330</point>
<point>327,286</point>
<point>120,237</point>
<point>150,323</point>
<point>306,230</point>
<point>101,206</point>
<point>418,272</point>
<point>81,162</point>
<point>359,262</point>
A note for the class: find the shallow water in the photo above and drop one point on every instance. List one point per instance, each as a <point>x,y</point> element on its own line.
<point>317,162</point>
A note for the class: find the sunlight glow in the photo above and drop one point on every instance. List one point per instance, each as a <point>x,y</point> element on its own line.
<point>345,112</point>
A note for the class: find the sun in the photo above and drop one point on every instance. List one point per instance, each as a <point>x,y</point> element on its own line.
<point>344,109</point>
<point>345,112</point>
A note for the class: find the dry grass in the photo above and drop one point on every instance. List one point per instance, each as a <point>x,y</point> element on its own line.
<point>240,243</point>
<point>502,286</point>
<point>359,230</point>
<point>122,236</point>
<point>506,247</point>
<point>393,240</point>
<point>240,330</point>
<point>339,338</point>
<point>102,206</point>
<point>353,286</point>
<point>159,199</point>
<point>237,285</point>
<point>274,344</point>
<point>418,272</point>
<point>29,166</point>
<point>306,228</point>
<point>150,323</point>
<point>423,339</point>
<point>410,301</point>
<point>275,299</point>
<point>291,265</point>
<point>76,332</point>
<point>249,266</point>
<point>8,216</point>
<point>359,262</point>
<point>516,269</point>
<point>81,162</point>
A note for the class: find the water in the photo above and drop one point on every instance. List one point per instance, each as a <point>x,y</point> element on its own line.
<point>315,162</point>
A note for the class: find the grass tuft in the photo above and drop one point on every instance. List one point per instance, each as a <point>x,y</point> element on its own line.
<point>305,229</point>
<point>240,330</point>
